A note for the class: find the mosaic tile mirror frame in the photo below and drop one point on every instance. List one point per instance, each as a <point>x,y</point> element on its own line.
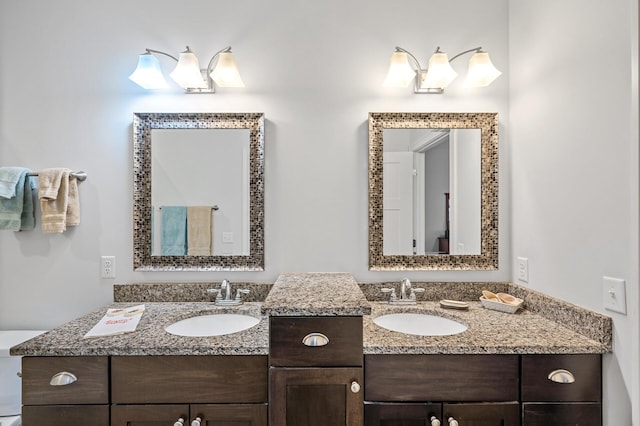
<point>487,259</point>
<point>143,124</point>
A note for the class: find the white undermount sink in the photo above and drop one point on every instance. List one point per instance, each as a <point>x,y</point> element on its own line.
<point>419,324</point>
<point>212,325</point>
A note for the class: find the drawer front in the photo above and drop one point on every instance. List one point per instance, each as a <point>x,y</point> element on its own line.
<point>570,414</point>
<point>149,415</point>
<point>65,415</point>
<point>90,387</point>
<point>344,347</point>
<point>441,378</point>
<point>586,369</point>
<point>188,379</point>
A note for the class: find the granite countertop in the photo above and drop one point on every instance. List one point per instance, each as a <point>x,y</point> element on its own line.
<point>488,332</point>
<point>546,326</point>
<point>150,337</point>
<point>297,294</point>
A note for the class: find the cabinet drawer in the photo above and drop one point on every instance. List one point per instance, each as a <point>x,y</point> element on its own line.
<point>65,415</point>
<point>131,415</point>
<point>441,378</point>
<point>536,385</point>
<point>344,347</point>
<point>91,386</point>
<point>578,414</point>
<point>188,379</point>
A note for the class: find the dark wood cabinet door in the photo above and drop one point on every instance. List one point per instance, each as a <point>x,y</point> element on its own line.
<point>149,415</point>
<point>561,414</point>
<point>65,415</point>
<point>483,414</point>
<point>230,414</point>
<point>399,414</point>
<point>315,397</point>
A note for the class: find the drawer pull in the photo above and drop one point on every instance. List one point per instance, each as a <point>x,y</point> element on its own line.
<point>434,421</point>
<point>179,422</point>
<point>355,387</point>
<point>315,339</point>
<point>561,376</point>
<point>63,378</point>
<point>452,422</point>
<point>196,422</point>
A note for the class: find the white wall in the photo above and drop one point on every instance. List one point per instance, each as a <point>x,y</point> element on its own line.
<point>574,163</point>
<point>314,68</point>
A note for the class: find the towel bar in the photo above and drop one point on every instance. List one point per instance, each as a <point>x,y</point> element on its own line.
<point>81,176</point>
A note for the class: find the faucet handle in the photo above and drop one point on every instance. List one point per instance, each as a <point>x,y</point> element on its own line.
<point>215,291</point>
<point>414,290</point>
<point>389,290</point>
<point>241,291</point>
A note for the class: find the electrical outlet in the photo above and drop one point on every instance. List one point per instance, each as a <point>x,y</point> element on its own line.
<point>108,267</point>
<point>614,294</point>
<point>523,269</point>
<point>227,237</point>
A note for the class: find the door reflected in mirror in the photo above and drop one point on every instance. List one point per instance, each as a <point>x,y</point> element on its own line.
<point>200,170</point>
<point>432,191</point>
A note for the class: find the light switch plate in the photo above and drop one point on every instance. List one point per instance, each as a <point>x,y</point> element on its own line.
<point>614,294</point>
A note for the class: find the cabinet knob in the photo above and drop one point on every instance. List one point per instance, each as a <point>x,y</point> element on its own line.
<point>63,378</point>
<point>179,422</point>
<point>434,421</point>
<point>315,339</point>
<point>196,421</point>
<point>452,422</point>
<point>561,376</point>
<point>355,387</point>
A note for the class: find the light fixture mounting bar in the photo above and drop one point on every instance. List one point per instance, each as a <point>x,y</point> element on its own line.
<point>162,53</point>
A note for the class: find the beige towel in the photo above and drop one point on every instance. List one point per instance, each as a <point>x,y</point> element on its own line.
<point>73,205</point>
<point>59,200</point>
<point>199,231</point>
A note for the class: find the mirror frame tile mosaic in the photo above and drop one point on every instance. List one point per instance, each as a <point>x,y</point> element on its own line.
<point>143,123</point>
<point>488,124</point>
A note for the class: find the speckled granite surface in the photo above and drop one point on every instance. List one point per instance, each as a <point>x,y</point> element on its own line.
<point>150,337</point>
<point>315,294</point>
<point>546,326</point>
<point>591,324</point>
<point>488,332</point>
<point>184,292</point>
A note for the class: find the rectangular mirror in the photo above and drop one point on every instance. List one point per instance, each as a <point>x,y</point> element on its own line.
<point>198,191</point>
<point>433,191</point>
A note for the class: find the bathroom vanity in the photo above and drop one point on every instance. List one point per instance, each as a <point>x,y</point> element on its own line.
<point>495,373</point>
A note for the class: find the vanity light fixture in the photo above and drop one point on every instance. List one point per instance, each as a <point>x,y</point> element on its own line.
<point>187,72</point>
<point>439,73</point>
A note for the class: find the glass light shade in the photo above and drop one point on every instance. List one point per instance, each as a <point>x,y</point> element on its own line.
<point>187,72</point>
<point>148,74</point>
<point>400,73</point>
<point>226,73</point>
<point>481,71</point>
<point>439,73</point>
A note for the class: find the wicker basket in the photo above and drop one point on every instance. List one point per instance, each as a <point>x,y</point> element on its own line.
<point>499,306</point>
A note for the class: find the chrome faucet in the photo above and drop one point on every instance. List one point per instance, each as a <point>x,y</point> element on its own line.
<point>404,286</point>
<point>403,299</point>
<point>226,299</point>
<point>226,287</point>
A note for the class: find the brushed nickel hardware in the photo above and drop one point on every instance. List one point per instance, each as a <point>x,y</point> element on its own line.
<point>561,376</point>
<point>63,378</point>
<point>315,340</point>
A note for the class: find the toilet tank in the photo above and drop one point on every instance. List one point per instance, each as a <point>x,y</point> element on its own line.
<point>10,384</point>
